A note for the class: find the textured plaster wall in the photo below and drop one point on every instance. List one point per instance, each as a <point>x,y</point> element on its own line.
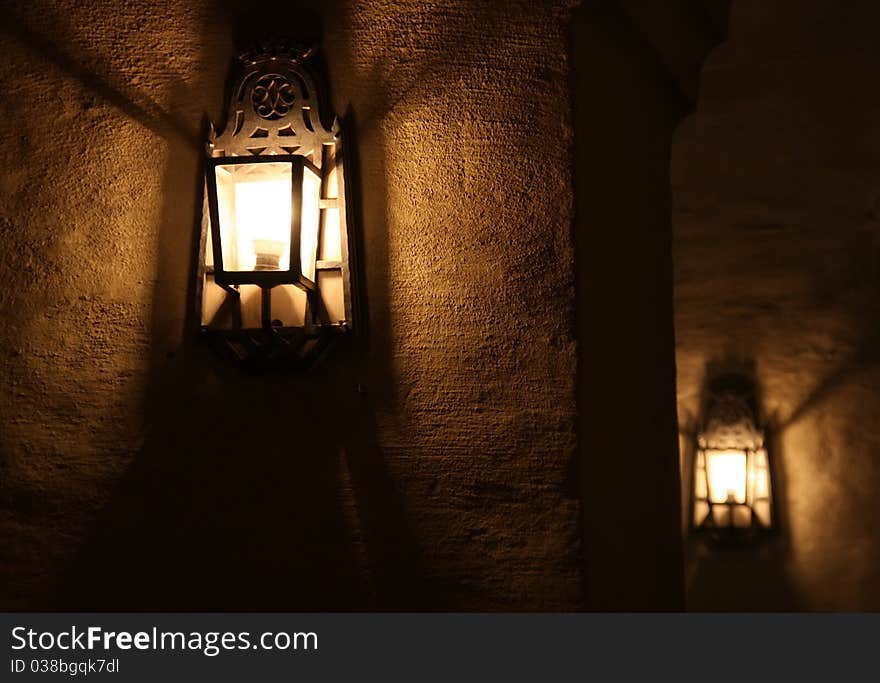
<point>427,464</point>
<point>462,120</point>
<point>777,253</point>
<point>85,195</point>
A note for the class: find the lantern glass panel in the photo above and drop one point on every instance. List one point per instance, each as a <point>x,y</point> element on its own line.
<point>332,294</point>
<point>254,206</point>
<point>761,493</point>
<point>761,483</point>
<point>727,476</point>
<point>287,308</point>
<point>701,511</point>
<point>721,515</point>
<point>311,215</point>
<point>331,175</point>
<point>331,237</point>
<point>742,516</point>
<point>700,489</point>
<point>762,512</point>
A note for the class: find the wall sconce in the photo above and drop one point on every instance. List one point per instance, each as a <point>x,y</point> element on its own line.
<point>732,492</point>
<point>275,267</point>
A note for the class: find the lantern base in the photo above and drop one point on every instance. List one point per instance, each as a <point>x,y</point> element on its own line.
<point>731,535</point>
<point>278,349</point>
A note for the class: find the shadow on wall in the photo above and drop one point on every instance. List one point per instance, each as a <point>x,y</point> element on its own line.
<point>739,578</point>
<point>251,492</point>
<point>865,355</point>
<point>241,498</point>
<point>134,104</point>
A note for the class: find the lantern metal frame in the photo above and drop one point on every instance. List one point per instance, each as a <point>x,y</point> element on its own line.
<point>731,424</point>
<point>274,116</point>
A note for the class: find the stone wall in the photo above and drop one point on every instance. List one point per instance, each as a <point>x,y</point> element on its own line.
<point>425,465</point>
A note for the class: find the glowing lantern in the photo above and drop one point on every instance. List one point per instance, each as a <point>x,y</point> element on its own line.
<point>275,270</point>
<point>732,494</point>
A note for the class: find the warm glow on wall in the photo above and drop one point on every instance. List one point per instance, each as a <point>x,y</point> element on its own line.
<point>276,269</point>
<point>732,489</point>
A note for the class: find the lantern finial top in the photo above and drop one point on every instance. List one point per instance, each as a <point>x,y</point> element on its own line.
<point>275,107</point>
<point>731,420</point>
<point>275,49</point>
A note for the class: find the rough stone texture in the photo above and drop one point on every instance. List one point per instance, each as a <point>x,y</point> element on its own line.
<point>138,471</point>
<point>462,121</point>
<point>777,253</point>
<point>90,184</point>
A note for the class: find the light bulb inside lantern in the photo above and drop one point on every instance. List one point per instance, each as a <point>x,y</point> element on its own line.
<point>727,476</point>
<point>262,220</point>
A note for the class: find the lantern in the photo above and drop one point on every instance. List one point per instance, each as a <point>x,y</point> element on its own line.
<point>275,269</point>
<point>732,492</point>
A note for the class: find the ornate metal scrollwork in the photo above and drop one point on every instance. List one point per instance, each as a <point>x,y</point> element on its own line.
<point>276,94</point>
<point>730,414</point>
<point>273,97</point>
<point>731,423</point>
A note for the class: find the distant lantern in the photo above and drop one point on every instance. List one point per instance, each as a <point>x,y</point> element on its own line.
<point>732,494</point>
<point>275,269</point>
